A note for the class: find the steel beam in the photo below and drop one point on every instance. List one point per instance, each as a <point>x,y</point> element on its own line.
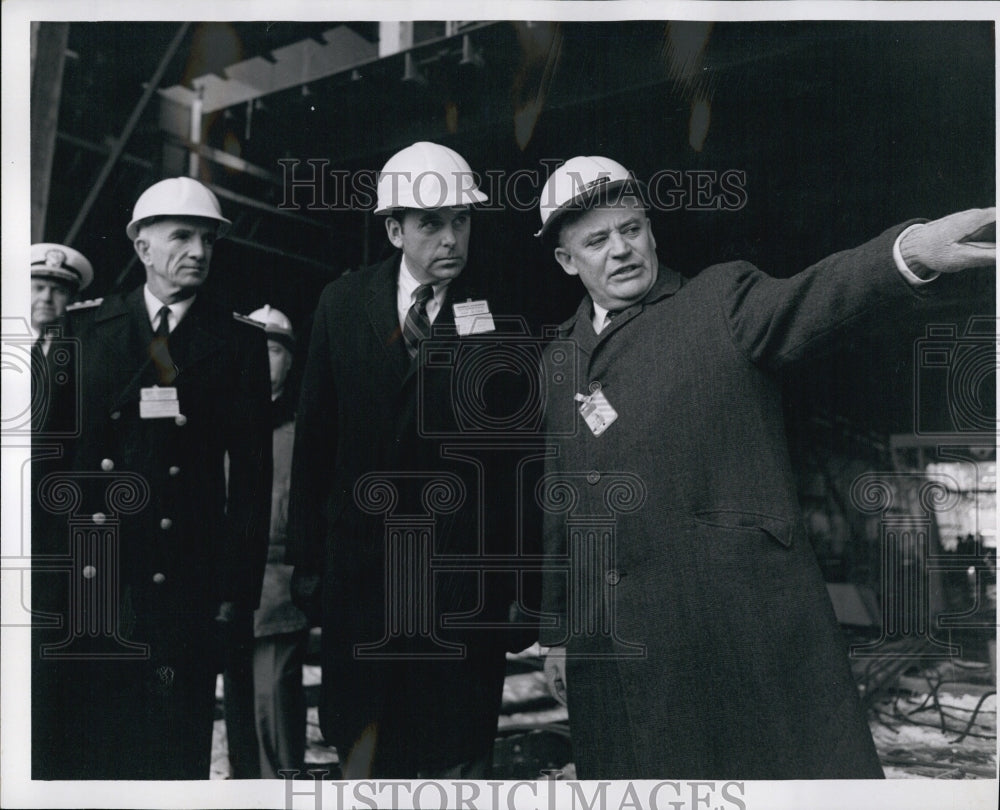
<point>119,145</point>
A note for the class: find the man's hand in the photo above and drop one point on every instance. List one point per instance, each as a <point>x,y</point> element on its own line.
<point>951,244</point>
<point>555,673</point>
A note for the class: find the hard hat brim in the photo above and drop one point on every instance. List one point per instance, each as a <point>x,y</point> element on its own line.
<point>589,197</point>
<point>222,224</point>
<point>474,197</point>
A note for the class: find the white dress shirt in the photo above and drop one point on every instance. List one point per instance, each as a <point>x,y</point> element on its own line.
<point>153,306</point>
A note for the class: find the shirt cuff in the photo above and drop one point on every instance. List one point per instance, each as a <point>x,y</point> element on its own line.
<point>911,278</point>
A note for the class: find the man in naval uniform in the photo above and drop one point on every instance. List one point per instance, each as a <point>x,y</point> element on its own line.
<point>166,560</point>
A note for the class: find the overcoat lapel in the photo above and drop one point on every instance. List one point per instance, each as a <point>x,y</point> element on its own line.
<point>196,337</point>
<point>580,327</point>
<point>383,318</point>
<point>124,330</point>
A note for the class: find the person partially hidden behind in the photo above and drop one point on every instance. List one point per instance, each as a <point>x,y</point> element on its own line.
<point>265,701</point>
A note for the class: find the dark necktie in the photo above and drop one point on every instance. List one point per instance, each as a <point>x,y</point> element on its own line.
<point>166,371</point>
<point>416,325</point>
<point>612,313</point>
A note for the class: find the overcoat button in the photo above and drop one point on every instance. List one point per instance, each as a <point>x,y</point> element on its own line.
<point>159,578</point>
<point>89,572</point>
<point>595,386</point>
<point>99,518</point>
<point>593,477</point>
<point>107,465</point>
<point>174,471</point>
<point>180,420</point>
<point>613,577</point>
<point>166,523</point>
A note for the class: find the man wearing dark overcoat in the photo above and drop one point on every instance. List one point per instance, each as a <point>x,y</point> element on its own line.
<point>164,559</point>
<point>697,639</point>
<point>387,510</point>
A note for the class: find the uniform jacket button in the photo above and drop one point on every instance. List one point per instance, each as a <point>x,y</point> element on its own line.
<point>89,572</point>
<point>116,415</point>
<point>180,420</point>
<point>593,477</point>
<point>159,578</point>
<point>107,465</point>
<point>166,523</point>
<point>613,577</point>
<point>174,471</point>
<point>99,518</point>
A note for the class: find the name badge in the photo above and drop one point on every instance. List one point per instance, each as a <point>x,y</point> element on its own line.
<point>473,317</point>
<point>158,402</point>
<point>596,411</point>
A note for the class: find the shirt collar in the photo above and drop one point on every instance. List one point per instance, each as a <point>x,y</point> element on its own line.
<point>153,306</point>
<point>600,319</point>
<point>408,284</point>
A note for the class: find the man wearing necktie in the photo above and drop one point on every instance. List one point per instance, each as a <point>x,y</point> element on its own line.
<point>718,655</point>
<point>168,559</point>
<point>406,693</point>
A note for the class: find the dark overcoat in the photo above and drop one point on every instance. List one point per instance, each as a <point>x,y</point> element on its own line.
<point>384,478</point>
<point>155,543</point>
<point>701,640</point>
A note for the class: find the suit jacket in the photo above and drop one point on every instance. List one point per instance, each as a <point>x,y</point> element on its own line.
<point>714,651</point>
<point>383,470</point>
<point>155,539</point>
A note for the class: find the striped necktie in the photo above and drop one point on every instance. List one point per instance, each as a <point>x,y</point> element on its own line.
<point>416,325</point>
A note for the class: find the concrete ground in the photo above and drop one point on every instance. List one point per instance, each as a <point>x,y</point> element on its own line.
<point>936,722</point>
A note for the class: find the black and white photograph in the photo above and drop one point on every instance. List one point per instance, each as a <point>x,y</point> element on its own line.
<point>590,405</point>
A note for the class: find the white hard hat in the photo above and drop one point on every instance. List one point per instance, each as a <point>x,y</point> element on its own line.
<point>62,263</point>
<point>276,325</point>
<point>426,175</point>
<point>575,184</point>
<point>177,197</point>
